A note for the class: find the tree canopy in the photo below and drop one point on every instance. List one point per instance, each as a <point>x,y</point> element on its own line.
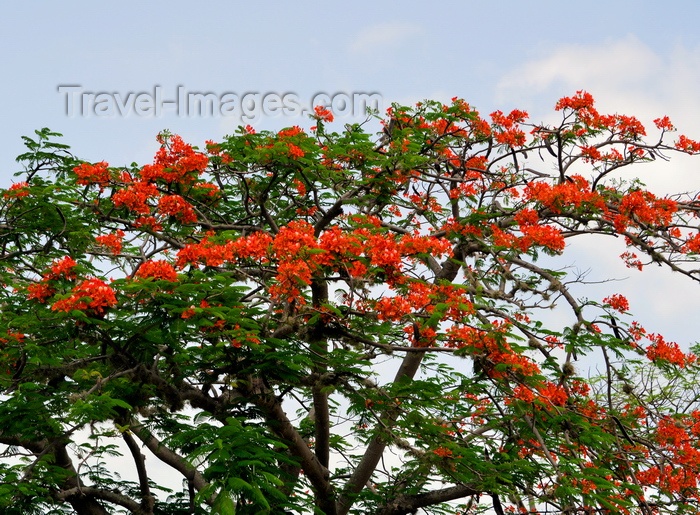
<point>346,322</point>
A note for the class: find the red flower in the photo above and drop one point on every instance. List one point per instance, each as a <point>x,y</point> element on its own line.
<point>113,241</point>
<point>292,238</point>
<point>543,235</point>
<point>523,393</point>
<point>443,452</point>
<point>617,302</point>
<point>149,222</point>
<point>574,193</point>
<point>508,127</point>
<point>631,261</point>
<point>692,244</point>
<point>175,205</point>
<point>290,131</point>
<point>645,207</point>
<point>175,161</point>
<point>294,151</point>
<point>591,154</point>
<point>553,393</point>
<point>662,350</point>
<point>300,187</point>
<point>582,100</point>
<point>62,268</point>
<point>527,217</point>
<point>688,145</point>
<point>664,124</point>
<point>92,174</point>
<point>392,308</point>
<point>157,269</point>
<point>18,190</point>
<point>91,294</point>
<point>40,291</point>
<point>323,113</point>
<point>135,197</point>
<point>208,189</point>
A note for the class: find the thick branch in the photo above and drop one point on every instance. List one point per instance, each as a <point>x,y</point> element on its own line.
<point>35,447</point>
<point>409,366</point>
<point>85,492</point>
<point>319,349</point>
<point>74,492</point>
<point>181,392</point>
<point>170,457</point>
<point>335,210</point>
<point>405,504</point>
<point>364,470</point>
<point>147,499</point>
<point>81,501</point>
<point>278,421</point>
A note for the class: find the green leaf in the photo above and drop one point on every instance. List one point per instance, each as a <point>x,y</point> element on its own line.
<point>224,505</point>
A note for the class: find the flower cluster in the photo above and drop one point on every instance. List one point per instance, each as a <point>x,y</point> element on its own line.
<point>135,197</point>
<point>323,113</point>
<point>546,394</point>
<point>570,194</point>
<point>157,269</point>
<point>40,291</point>
<point>290,138</point>
<point>92,295</point>
<point>496,358</point>
<point>688,145</point>
<point>643,207</point>
<point>112,242</point>
<point>175,162</point>
<point>678,436</point>
<point>254,246</point>
<point>617,302</point>
<point>17,190</point>
<point>661,350</point>
<point>175,205</point>
<point>582,104</point>
<point>61,269</point>
<point>507,129</point>
<point>299,253</point>
<point>89,174</point>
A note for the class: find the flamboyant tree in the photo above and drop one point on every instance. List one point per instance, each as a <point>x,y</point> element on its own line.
<point>322,322</point>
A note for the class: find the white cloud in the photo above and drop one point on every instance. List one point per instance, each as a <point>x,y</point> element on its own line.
<point>621,64</point>
<point>624,76</point>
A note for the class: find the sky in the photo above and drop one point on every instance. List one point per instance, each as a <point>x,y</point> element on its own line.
<point>636,57</point>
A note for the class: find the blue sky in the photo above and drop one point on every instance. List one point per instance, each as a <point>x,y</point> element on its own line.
<point>494,54</point>
<point>636,57</point>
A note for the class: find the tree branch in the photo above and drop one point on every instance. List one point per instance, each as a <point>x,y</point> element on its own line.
<point>319,348</point>
<point>147,498</point>
<point>170,457</point>
<point>364,470</point>
<point>71,494</point>
<point>277,420</point>
<point>409,366</point>
<point>405,504</point>
<point>81,501</point>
